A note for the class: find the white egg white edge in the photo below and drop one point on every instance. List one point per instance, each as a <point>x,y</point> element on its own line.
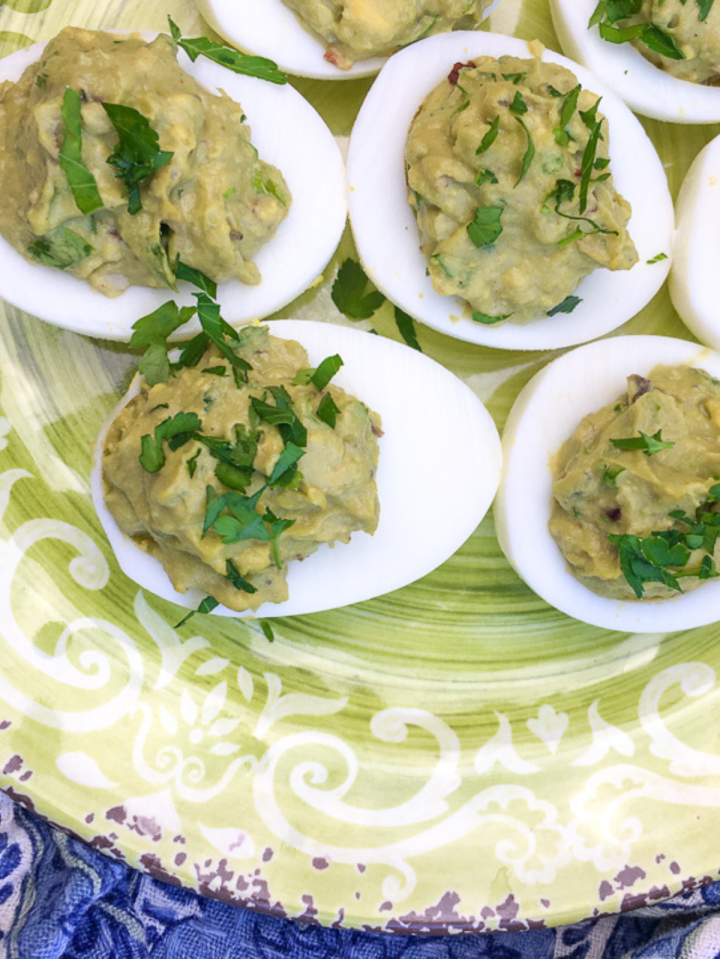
<point>289,134</point>
<point>386,233</point>
<point>545,414</point>
<point>696,255</point>
<point>644,87</point>
<point>270,29</point>
<point>439,441</point>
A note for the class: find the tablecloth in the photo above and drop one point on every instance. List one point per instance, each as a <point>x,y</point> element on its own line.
<point>60,899</point>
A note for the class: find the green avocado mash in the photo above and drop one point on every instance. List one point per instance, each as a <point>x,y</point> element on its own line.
<point>114,163</point>
<point>509,177</point>
<point>359,29</point>
<point>227,481</point>
<point>636,493</point>
<point>680,36</point>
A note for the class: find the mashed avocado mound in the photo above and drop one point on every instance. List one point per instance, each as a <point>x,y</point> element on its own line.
<point>114,163</point>
<point>509,177</point>
<point>636,508</point>
<point>359,29</point>
<point>232,469</point>
<point>681,37</point>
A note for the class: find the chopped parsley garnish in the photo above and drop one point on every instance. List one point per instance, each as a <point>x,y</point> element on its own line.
<point>570,100</point>
<point>704,8</point>
<point>178,427</point>
<point>514,77</point>
<point>406,328</point>
<point>198,279</point>
<point>564,192</point>
<point>325,372</point>
<point>611,474</point>
<point>81,180</point>
<point>63,248</point>
<point>242,521</point>
<point>328,410</point>
<point>650,445</point>
<point>138,154</point>
<point>485,176</point>
<point>238,581</point>
<point>489,320</point>
<point>242,63</point>
<point>485,227</point>
<point>206,606</point>
<point>276,527</point>
<point>658,258</point>
<point>490,137</point>
<point>216,370</point>
<point>151,332</point>
<point>567,305</point>
<point>192,463</point>
<point>281,415</point>
<point>529,152</point>
<point>286,463</point>
<point>518,106</point>
<point>349,292</point>
<point>588,161</point>
<point>609,12</point>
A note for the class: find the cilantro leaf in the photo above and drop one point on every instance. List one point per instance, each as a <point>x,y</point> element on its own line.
<point>650,445</point>
<point>348,292</point>
<point>328,410</point>
<point>138,154</point>
<point>490,137</point>
<point>152,456</point>
<point>485,227</point>
<point>81,180</point>
<point>406,328</point>
<point>242,63</point>
<point>238,581</point>
<point>206,606</point>
<point>567,305</point>
<point>61,248</point>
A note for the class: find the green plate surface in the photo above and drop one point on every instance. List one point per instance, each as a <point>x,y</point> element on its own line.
<point>454,756</point>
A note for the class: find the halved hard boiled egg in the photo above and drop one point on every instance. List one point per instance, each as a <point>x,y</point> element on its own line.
<point>646,89</point>
<point>696,248</point>
<point>546,414</point>
<point>386,233</point>
<point>429,417</point>
<point>289,134</point>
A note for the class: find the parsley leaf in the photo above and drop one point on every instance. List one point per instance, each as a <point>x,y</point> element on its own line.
<point>243,522</point>
<point>328,410</point>
<point>242,63</point>
<point>137,155</point>
<point>529,152</point>
<point>198,279</point>
<point>325,372</point>
<point>348,292</point>
<point>658,258</point>
<point>485,227</point>
<point>206,606</point>
<point>152,456</point>
<point>567,305</point>
<point>406,328</point>
<point>152,331</point>
<point>192,463</point>
<point>485,176</point>
<point>704,8</point>
<point>277,526</point>
<point>281,415</point>
<point>238,581</point>
<point>489,320</point>
<point>81,180</point>
<point>490,137</point>
<point>650,445</point>
<point>61,249</point>
<point>285,462</point>
<point>518,106</point>
<point>569,106</point>
<point>586,164</point>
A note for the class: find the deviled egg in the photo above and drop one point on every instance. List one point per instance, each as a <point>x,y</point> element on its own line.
<point>310,220</point>
<point>644,86</point>
<point>422,407</point>
<point>386,232</point>
<point>334,40</point>
<point>599,389</point>
<point>696,247</point>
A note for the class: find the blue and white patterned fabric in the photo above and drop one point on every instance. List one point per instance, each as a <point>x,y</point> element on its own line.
<point>60,899</point>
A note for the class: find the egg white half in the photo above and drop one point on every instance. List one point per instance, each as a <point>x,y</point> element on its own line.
<point>644,87</point>
<point>696,250</point>
<point>386,233</point>
<point>289,134</point>
<point>270,29</point>
<point>545,414</point>
<point>433,425</point>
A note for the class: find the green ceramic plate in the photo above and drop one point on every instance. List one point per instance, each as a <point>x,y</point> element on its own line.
<point>453,756</point>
